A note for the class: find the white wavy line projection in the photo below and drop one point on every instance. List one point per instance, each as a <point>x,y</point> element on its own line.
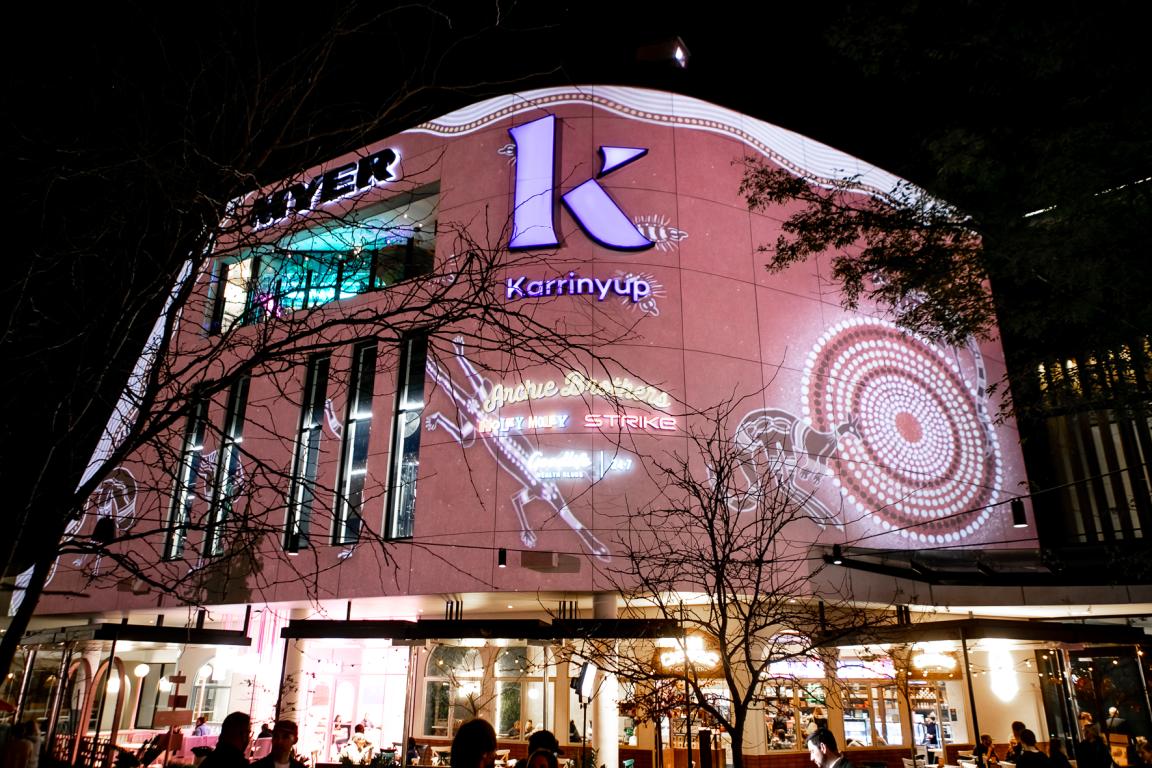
<point>788,149</point>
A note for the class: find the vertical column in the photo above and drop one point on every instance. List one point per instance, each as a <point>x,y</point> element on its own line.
<point>289,703</point>
<point>607,733</point>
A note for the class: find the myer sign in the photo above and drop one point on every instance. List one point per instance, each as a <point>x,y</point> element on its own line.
<point>533,215</point>
<point>326,188</point>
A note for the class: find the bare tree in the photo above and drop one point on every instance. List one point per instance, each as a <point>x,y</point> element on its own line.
<point>724,549</point>
<point>169,206</point>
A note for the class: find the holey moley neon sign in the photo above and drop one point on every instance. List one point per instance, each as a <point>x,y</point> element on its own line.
<point>533,213</point>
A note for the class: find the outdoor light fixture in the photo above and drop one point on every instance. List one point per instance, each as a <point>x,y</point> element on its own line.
<point>837,555</point>
<point>669,49</point>
<point>1019,519</point>
<point>502,558</point>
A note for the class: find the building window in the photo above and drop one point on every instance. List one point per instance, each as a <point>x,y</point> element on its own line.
<point>302,491</point>
<point>366,251</point>
<point>453,688</point>
<point>406,437</point>
<point>354,454</point>
<point>230,287</point>
<point>519,690</point>
<point>229,471</point>
<point>187,474</point>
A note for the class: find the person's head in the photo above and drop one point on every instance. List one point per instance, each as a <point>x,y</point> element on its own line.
<point>986,740</point>
<point>1017,726</point>
<point>542,758</point>
<point>236,730</point>
<point>284,737</point>
<point>822,748</point>
<point>1027,737</point>
<point>474,745</point>
<point>1086,717</point>
<point>544,740</point>
<point>930,718</point>
<point>200,721</point>
<point>359,728</point>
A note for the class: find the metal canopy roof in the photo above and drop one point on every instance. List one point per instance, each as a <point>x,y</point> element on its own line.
<point>978,629</point>
<point>140,633</point>
<point>511,629</point>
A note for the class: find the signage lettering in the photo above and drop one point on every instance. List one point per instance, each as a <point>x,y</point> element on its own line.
<point>630,422</point>
<point>578,464</point>
<point>575,384</point>
<point>636,288</point>
<point>377,168</point>
<point>505,424</point>
<point>533,219</point>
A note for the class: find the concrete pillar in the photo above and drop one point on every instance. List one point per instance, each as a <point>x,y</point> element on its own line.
<point>607,702</point>
<point>290,703</point>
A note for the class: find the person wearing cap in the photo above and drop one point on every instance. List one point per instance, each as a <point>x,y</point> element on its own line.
<point>284,737</point>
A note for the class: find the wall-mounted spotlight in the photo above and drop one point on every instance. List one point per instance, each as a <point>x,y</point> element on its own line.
<point>502,558</point>
<point>837,555</point>
<point>1019,517</point>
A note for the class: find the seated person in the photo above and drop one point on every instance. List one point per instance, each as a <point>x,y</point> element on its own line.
<point>985,753</point>
<point>358,749</point>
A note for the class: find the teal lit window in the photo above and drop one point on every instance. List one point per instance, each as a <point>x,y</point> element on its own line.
<point>338,259</point>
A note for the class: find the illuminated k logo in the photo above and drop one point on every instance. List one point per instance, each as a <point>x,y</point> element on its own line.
<point>533,224</point>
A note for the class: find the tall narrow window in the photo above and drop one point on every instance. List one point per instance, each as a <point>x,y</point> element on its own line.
<point>229,471</point>
<point>354,454</point>
<point>302,492</point>
<point>187,473</point>
<point>406,437</point>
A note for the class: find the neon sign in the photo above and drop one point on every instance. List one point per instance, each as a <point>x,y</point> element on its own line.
<point>304,195</point>
<point>533,219</point>
<point>521,287</point>
<point>575,384</point>
<point>630,422</point>
<point>578,464</point>
<point>504,424</point>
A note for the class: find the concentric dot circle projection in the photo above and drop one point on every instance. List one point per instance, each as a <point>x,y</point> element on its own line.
<point>915,451</point>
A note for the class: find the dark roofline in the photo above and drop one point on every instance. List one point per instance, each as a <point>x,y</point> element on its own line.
<point>139,633</point>
<point>510,629</point>
<point>978,629</point>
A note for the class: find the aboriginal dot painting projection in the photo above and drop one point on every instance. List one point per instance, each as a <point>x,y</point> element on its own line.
<point>887,438</point>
